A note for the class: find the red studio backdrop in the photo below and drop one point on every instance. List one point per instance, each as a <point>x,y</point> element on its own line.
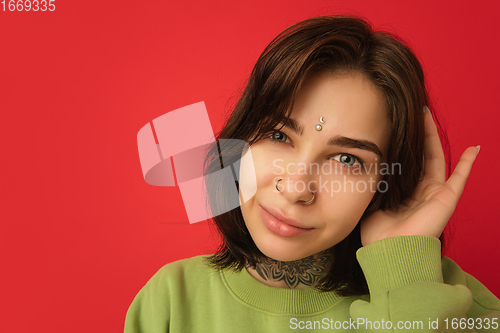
<point>81,231</point>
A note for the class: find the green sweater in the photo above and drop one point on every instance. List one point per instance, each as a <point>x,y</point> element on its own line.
<point>411,289</point>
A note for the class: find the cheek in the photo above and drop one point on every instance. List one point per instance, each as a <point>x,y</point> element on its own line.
<point>257,171</point>
<point>258,162</point>
<point>348,201</point>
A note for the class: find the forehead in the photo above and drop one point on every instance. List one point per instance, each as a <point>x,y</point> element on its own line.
<point>350,104</point>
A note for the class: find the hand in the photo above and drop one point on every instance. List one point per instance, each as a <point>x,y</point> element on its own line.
<point>434,199</point>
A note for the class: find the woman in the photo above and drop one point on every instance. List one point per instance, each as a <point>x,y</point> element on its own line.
<point>340,227</point>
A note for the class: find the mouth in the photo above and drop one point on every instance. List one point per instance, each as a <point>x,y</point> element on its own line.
<point>280,227</point>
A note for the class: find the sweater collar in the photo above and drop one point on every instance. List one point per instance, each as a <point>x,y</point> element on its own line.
<point>277,300</point>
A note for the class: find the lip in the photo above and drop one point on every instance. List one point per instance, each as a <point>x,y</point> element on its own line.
<point>280,224</point>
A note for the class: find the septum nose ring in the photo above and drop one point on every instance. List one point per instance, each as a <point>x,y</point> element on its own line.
<point>308,202</point>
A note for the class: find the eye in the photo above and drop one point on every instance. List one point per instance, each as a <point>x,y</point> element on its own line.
<point>278,137</point>
<point>347,159</point>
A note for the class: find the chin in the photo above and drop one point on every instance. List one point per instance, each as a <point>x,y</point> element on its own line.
<point>285,257</point>
<point>278,251</point>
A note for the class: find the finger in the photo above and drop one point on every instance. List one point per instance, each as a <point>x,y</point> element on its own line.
<point>434,162</point>
<point>458,178</point>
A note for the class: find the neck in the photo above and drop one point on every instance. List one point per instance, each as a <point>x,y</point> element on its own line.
<point>297,274</point>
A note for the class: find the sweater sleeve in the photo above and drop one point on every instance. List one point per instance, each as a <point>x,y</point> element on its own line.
<point>409,293</point>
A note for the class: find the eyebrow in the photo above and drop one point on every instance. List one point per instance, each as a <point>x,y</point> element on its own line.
<point>337,140</point>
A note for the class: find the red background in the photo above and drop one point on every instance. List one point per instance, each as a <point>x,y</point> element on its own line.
<point>81,231</point>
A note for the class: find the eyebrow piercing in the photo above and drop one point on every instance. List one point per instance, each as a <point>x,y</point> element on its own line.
<point>319,128</point>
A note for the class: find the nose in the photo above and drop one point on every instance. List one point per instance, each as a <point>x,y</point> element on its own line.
<point>297,189</point>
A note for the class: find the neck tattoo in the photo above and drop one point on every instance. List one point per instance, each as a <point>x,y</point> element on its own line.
<point>307,271</point>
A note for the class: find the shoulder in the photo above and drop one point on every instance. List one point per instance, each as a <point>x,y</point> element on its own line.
<point>452,273</point>
<point>183,271</point>
<point>175,291</point>
<point>482,298</point>
<point>180,280</point>
<point>197,263</point>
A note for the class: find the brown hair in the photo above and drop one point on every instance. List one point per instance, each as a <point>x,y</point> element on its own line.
<point>329,43</point>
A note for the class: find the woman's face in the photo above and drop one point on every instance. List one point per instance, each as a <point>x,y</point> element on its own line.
<point>342,163</point>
